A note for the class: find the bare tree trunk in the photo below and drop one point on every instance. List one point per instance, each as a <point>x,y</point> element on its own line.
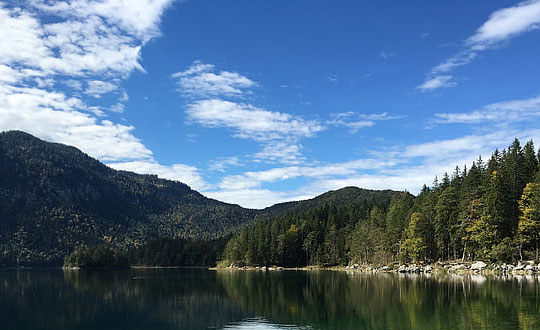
<point>463,255</point>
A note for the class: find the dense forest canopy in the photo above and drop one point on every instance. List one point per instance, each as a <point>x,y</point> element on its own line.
<point>54,198</point>
<point>489,211</point>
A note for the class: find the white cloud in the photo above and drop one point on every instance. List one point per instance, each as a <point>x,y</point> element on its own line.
<point>136,17</point>
<point>278,132</point>
<point>355,121</point>
<point>253,198</point>
<point>55,117</point>
<point>405,168</point>
<point>436,82</point>
<point>507,23</point>
<point>221,164</point>
<point>96,88</point>
<point>455,61</point>
<point>501,26</point>
<point>508,111</point>
<point>78,43</point>
<point>179,172</point>
<point>200,80</point>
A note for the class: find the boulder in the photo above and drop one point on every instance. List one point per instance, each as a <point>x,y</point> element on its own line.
<point>479,266</point>
<point>428,269</point>
<point>385,269</point>
<point>457,267</point>
<point>403,269</point>
<point>520,266</point>
<point>530,268</point>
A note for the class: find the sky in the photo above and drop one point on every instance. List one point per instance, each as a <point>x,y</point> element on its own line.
<point>260,102</point>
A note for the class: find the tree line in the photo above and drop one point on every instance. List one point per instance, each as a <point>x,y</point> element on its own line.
<point>490,211</point>
<point>161,252</point>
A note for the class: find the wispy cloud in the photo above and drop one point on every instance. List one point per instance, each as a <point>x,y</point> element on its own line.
<point>96,88</point>
<point>201,80</point>
<point>274,130</point>
<point>356,121</point>
<point>507,112</point>
<point>220,165</point>
<point>437,82</point>
<point>502,25</point>
<point>386,55</point>
<point>405,168</point>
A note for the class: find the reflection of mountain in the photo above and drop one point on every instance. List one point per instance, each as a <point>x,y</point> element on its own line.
<point>198,299</point>
<point>155,299</point>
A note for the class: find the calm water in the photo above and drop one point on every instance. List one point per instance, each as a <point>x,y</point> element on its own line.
<point>199,299</point>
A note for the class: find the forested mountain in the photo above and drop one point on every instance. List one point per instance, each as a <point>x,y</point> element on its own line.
<point>490,211</point>
<point>54,198</point>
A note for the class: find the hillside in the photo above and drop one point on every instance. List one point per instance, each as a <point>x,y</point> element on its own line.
<point>489,211</point>
<point>54,198</point>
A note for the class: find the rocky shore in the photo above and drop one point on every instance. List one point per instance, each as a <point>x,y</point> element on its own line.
<point>476,267</point>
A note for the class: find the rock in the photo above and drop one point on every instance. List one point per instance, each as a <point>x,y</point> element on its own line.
<point>414,269</point>
<point>403,269</point>
<point>457,267</point>
<point>428,269</point>
<point>385,269</point>
<point>479,266</point>
<point>530,268</point>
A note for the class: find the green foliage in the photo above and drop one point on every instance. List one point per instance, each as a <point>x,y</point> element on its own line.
<point>485,212</point>
<point>529,221</point>
<point>97,257</point>
<point>339,229</point>
<point>417,235</point>
<point>167,252</point>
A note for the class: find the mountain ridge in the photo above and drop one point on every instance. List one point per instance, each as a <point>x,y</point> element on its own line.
<point>54,198</point>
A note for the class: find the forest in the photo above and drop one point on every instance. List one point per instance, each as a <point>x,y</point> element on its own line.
<point>160,252</point>
<point>490,211</point>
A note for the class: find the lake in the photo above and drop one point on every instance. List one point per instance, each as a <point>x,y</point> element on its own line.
<point>201,299</point>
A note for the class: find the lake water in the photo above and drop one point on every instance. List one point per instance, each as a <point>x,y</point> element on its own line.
<point>200,299</point>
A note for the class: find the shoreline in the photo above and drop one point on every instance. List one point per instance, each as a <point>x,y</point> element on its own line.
<point>439,268</point>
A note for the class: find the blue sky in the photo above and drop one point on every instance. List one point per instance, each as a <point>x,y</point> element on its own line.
<point>258,102</point>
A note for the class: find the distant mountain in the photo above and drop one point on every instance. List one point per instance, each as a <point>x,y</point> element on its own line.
<point>343,196</point>
<point>54,198</point>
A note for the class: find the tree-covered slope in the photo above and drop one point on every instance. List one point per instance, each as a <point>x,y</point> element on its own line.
<point>490,211</point>
<point>54,198</point>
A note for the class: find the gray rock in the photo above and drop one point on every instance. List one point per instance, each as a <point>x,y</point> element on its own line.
<point>479,266</point>
<point>530,268</point>
<point>403,269</point>
<point>520,266</point>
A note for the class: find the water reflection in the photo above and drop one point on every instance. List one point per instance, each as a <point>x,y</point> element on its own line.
<point>261,324</point>
<point>199,299</point>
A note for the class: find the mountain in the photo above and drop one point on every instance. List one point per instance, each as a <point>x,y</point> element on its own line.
<point>54,198</point>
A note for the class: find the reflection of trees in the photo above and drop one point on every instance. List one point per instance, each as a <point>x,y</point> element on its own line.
<point>336,300</point>
<point>196,299</point>
<point>153,299</point>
